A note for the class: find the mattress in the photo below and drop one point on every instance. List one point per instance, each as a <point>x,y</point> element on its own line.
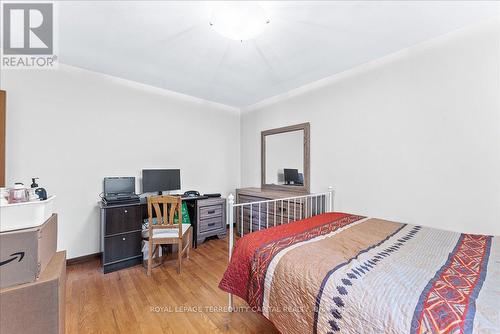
<point>344,273</point>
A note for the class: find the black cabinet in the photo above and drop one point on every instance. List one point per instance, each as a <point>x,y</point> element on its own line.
<point>122,246</point>
<point>123,219</point>
<point>121,227</point>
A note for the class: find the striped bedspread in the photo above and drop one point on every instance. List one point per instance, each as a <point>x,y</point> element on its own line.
<point>342,273</point>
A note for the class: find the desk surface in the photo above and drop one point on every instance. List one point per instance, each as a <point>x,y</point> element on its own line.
<point>144,201</point>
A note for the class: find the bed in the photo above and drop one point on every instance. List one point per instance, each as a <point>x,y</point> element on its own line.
<point>342,273</point>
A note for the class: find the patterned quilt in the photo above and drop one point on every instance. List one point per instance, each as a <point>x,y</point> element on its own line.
<point>342,273</point>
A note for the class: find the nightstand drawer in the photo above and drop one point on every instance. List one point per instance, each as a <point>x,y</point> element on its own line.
<point>210,224</point>
<point>123,246</point>
<point>123,219</point>
<point>211,211</point>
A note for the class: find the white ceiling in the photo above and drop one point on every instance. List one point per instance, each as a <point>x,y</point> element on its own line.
<point>171,45</point>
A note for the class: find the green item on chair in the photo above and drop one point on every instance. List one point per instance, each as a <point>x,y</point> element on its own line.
<point>185,215</point>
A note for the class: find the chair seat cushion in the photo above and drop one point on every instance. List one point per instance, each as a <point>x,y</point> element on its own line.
<point>166,232</point>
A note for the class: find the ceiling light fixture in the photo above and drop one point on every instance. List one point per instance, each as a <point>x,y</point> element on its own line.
<point>239,21</point>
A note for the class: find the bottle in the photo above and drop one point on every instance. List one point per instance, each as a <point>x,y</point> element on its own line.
<point>18,194</point>
<point>34,184</point>
<point>32,196</point>
<point>40,192</point>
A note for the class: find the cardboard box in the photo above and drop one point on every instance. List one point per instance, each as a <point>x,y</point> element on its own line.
<point>36,307</point>
<point>25,253</point>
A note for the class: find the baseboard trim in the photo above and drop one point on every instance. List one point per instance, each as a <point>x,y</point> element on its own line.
<point>83,259</point>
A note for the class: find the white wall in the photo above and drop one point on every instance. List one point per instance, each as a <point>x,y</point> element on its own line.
<point>413,137</point>
<point>73,127</point>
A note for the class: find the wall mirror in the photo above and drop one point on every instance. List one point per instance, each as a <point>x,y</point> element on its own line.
<point>285,158</point>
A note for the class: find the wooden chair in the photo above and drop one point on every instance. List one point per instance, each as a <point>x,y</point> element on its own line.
<point>164,231</point>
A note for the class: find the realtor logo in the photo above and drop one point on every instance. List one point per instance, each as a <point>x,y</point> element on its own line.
<point>28,29</point>
<point>28,35</point>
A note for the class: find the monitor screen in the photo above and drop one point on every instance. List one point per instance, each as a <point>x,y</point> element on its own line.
<point>119,185</point>
<point>160,180</point>
<point>291,175</point>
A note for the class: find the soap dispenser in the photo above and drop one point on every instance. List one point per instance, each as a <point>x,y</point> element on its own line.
<point>40,192</point>
<point>34,184</point>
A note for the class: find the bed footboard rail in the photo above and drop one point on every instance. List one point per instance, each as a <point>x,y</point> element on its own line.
<point>268,213</point>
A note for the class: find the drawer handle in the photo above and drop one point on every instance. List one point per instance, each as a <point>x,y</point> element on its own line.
<point>123,239</point>
<point>211,212</point>
<point>211,224</point>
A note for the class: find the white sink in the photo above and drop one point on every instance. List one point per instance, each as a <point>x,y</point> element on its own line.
<point>25,215</point>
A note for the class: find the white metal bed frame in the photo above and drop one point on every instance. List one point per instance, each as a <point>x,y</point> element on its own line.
<point>323,203</point>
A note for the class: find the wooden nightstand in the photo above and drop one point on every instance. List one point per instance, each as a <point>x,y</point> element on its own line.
<point>211,219</point>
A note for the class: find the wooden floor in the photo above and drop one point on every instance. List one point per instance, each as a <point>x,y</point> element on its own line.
<point>128,301</point>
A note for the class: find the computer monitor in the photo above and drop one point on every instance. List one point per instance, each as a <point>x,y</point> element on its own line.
<point>291,175</point>
<point>157,180</point>
<point>119,185</point>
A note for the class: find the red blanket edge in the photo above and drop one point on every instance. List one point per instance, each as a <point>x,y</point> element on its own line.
<point>237,276</point>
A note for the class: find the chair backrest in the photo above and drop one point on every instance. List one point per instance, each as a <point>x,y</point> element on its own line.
<point>164,208</point>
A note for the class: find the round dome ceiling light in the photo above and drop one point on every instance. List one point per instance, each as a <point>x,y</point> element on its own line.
<point>239,21</point>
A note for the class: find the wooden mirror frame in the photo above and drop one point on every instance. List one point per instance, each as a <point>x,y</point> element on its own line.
<point>306,127</point>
